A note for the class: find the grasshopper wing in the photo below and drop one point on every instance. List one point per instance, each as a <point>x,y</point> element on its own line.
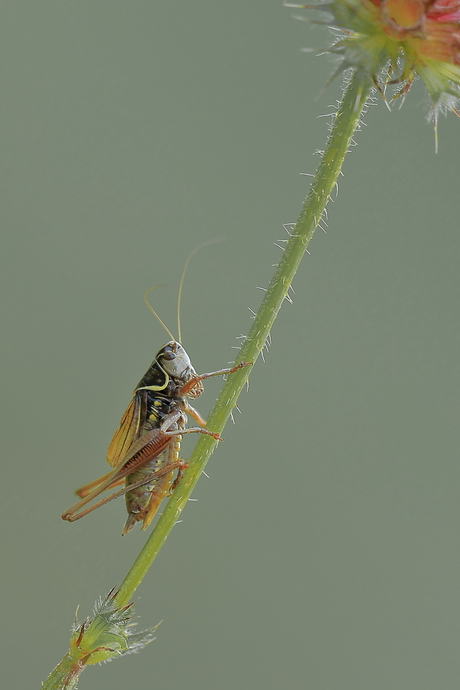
<point>129,430</point>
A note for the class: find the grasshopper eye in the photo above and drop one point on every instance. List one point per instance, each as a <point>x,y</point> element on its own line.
<point>168,355</point>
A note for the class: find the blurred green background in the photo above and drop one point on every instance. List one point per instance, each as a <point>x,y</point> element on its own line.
<point>324,549</point>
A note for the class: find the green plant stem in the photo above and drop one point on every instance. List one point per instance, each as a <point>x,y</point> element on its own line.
<point>343,126</point>
<point>63,676</point>
<point>344,123</point>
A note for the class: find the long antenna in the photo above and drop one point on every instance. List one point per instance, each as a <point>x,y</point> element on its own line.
<point>179,295</point>
<point>154,312</point>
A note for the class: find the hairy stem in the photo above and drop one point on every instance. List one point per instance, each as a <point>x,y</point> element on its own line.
<point>344,124</point>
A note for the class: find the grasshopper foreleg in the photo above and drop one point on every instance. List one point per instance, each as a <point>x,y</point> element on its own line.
<point>200,377</point>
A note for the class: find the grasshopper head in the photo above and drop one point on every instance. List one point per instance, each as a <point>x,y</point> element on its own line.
<point>176,362</point>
